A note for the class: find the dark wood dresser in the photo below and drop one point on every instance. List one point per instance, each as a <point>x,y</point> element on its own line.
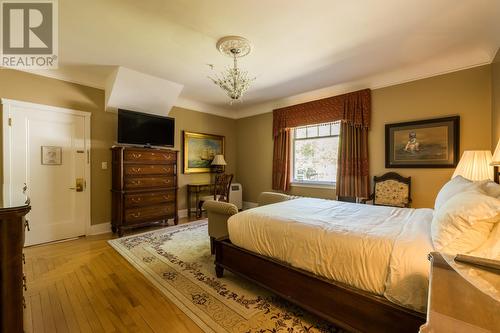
<point>12,278</point>
<point>144,187</point>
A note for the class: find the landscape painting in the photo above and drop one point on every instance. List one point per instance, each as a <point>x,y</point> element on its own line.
<point>199,151</point>
<point>430,143</point>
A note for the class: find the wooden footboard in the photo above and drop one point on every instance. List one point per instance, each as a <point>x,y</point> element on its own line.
<point>349,308</point>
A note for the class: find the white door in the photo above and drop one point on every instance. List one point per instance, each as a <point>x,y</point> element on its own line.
<point>48,149</point>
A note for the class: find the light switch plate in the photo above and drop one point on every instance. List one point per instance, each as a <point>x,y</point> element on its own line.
<point>104,165</point>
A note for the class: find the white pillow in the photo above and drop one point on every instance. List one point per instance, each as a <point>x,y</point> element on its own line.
<point>454,186</point>
<point>464,222</point>
<point>491,188</point>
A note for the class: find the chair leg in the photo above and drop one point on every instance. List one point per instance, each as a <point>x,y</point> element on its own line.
<point>212,247</point>
<point>199,210</point>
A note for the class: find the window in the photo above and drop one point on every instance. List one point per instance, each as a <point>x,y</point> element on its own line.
<point>315,151</point>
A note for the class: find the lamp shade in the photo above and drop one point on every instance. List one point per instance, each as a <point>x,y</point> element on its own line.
<point>475,165</point>
<point>496,155</point>
<point>219,160</point>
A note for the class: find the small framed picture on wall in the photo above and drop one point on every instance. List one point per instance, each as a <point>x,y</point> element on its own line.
<point>51,155</point>
<point>431,143</point>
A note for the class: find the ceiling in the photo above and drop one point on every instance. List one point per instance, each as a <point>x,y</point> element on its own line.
<point>299,46</point>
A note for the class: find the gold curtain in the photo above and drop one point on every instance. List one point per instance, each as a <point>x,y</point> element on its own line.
<point>352,164</point>
<point>281,161</point>
<point>354,110</point>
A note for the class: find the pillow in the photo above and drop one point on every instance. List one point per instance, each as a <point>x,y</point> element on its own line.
<point>455,185</point>
<point>491,188</point>
<point>464,222</point>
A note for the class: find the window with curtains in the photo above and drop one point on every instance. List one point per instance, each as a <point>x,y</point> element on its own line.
<point>314,153</point>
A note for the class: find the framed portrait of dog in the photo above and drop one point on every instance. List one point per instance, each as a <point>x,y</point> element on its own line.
<point>431,143</point>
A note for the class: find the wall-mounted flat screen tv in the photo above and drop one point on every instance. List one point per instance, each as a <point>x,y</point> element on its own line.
<point>145,129</point>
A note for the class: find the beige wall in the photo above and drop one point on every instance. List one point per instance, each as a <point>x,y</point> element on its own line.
<point>205,123</point>
<point>466,93</point>
<point>37,89</point>
<point>495,114</point>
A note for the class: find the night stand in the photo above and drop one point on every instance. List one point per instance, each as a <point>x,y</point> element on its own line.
<point>462,298</point>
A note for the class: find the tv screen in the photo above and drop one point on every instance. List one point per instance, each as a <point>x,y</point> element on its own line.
<point>145,129</point>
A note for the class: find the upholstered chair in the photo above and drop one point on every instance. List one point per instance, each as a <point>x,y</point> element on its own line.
<point>391,189</point>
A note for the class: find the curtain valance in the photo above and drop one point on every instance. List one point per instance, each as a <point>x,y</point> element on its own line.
<point>353,108</point>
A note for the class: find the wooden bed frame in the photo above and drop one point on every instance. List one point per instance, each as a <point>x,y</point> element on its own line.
<point>344,306</point>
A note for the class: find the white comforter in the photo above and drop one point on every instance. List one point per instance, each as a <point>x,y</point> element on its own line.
<point>382,250</point>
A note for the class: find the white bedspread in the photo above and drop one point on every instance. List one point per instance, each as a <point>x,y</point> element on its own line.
<point>382,250</point>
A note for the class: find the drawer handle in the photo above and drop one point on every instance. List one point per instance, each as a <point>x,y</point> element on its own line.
<point>166,197</point>
<point>136,200</point>
<point>136,155</point>
<point>27,225</point>
<point>24,258</point>
<point>136,214</point>
<point>25,188</point>
<point>135,182</point>
<point>25,287</point>
<point>24,303</point>
<point>166,181</point>
<point>136,170</point>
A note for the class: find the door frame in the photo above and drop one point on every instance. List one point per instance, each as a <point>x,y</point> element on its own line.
<point>7,104</point>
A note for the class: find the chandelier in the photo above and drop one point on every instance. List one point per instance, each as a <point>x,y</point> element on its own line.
<point>233,80</point>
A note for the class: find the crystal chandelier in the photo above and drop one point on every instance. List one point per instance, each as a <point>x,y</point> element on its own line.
<point>233,80</point>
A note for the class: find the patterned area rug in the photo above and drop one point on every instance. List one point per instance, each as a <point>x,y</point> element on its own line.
<point>178,261</point>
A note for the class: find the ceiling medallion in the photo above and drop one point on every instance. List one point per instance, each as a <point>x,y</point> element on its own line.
<point>233,80</point>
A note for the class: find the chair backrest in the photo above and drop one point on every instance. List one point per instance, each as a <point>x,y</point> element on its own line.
<point>222,187</point>
<point>392,189</point>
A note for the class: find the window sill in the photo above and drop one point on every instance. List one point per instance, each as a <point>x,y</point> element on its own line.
<point>313,185</point>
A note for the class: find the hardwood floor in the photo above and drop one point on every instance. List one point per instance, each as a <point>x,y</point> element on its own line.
<point>84,285</point>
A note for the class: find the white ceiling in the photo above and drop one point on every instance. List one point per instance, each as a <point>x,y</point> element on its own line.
<point>299,46</point>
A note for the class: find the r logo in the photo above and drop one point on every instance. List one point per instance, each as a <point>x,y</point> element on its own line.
<point>27,28</point>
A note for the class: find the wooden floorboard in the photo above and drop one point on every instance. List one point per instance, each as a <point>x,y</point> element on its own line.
<point>84,285</point>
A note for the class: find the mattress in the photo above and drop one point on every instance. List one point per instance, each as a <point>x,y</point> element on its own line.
<point>381,250</point>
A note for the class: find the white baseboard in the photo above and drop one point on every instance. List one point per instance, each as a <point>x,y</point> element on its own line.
<point>249,204</point>
<point>100,228</point>
<point>103,228</point>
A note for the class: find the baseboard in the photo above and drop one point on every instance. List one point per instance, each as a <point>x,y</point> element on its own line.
<point>249,204</point>
<point>100,228</point>
<point>182,213</point>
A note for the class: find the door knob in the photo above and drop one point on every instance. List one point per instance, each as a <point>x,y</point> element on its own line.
<point>80,184</point>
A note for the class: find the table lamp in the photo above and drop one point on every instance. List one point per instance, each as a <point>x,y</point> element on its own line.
<point>218,163</point>
<point>496,162</point>
<point>475,165</point>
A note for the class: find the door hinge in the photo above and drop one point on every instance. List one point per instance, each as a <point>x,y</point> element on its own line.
<point>10,121</point>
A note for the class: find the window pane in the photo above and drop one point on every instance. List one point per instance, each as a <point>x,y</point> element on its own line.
<point>316,159</point>
<point>300,132</point>
<point>324,130</point>
<point>336,128</point>
<point>312,131</point>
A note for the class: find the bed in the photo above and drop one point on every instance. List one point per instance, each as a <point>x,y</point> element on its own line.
<point>362,267</point>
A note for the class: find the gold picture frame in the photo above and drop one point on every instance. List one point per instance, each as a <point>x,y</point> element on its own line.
<point>199,151</point>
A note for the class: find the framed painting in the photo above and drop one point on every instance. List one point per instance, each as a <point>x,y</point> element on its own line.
<point>432,143</point>
<point>199,151</point>
<point>51,155</point>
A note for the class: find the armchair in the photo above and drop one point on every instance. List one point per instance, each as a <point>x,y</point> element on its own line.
<point>391,189</point>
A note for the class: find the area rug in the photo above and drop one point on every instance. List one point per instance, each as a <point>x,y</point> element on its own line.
<point>178,261</point>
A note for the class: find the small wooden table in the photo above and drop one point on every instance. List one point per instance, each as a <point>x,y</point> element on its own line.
<point>462,298</point>
<point>196,189</point>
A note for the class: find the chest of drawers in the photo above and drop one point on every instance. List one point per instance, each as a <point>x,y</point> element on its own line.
<point>144,187</point>
<point>13,226</point>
